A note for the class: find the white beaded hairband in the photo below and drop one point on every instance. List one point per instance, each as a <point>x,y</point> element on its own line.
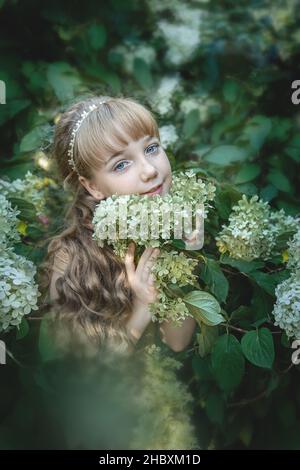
<point>83,115</point>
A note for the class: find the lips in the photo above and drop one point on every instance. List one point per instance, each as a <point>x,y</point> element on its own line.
<point>154,190</point>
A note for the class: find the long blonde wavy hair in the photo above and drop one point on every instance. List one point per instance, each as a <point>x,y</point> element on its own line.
<point>94,296</point>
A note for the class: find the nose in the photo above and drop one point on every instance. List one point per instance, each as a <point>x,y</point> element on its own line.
<point>148,171</point>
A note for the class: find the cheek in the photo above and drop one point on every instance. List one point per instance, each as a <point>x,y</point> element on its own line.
<point>166,165</point>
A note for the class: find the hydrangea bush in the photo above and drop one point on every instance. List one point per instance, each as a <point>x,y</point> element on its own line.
<point>18,290</point>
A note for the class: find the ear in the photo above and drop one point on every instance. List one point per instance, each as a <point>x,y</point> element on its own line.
<point>91,188</point>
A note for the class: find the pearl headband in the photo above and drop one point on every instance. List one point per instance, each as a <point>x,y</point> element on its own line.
<point>83,115</point>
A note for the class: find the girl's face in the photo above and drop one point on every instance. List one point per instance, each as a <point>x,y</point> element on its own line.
<point>140,167</point>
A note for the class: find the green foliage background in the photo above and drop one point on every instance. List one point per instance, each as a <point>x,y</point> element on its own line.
<point>245,135</point>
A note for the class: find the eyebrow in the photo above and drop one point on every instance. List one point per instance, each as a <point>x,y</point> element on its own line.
<point>149,137</point>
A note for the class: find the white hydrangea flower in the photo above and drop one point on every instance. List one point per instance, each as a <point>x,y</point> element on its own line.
<point>253,230</point>
<point>205,105</point>
<point>192,17</point>
<point>8,223</point>
<point>181,39</point>
<point>161,101</point>
<point>182,35</point>
<point>168,135</point>
<point>156,6</point>
<point>18,290</point>
<point>187,192</point>
<point>31,188</point>
<point>287,307</point>
<point>294,252</point>
<point>130,52</point>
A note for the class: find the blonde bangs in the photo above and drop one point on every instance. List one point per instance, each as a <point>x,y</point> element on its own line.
<point>110,128</point>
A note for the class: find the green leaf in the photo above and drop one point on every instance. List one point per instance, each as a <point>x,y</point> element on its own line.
<point>27,210</point>
<point>247,173</point>
<point>258,347</point>
<point>96,34</point>
<point>206,339</point>
<point>34,139</point>
<point>142,73</point>
<point>215,408</point>
<point>279,180</point>
<point>293,148</point>
<point>248,188</point>
<point>22,329</point>
<point>191,123</point>
<point>267,193</point>
<point>225,199</point>
<point>213,276</point>
<point>201,367</point>
<point>224,126</point>
<point>257,130</point>
<point>230,91</point>
<point>12,108</point>
<point>204,307</point>
<point>241,265</point>
<point>63,79</point>
<point>226,155</point>
<point>268,282</point>
<point>228,363</point>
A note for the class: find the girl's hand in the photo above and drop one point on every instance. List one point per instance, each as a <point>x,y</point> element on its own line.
<point>140,278</point>
<point>195,240</point>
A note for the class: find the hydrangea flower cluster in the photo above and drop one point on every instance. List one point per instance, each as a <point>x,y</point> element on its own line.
<point>31,188</point>
<point>171,267</point>
<point>18,291</point>
<point>253,230</point>
<point>162,99</point>
<point>168,135</point>
<point>171,427</point>
<point>130,51</point>
<point>187,191</point>
<point>206,106</point>
<point>8,223</point>
<point>287,307</point>
<point>182,36</point>
<point>294,252</point>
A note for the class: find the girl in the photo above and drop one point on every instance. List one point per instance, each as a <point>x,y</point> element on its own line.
<point>104,146</point>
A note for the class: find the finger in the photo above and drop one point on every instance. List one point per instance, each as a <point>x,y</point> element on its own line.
<point>129,259</point>
<point>149,264</point>
<point>190,237</point>
<point>143,259</point>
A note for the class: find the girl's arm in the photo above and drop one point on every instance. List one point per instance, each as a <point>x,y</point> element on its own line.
<point>178,337</point>
<point>138,321</point>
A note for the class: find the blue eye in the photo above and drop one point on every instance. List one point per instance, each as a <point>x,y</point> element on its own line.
<point>118,169</point>
<point>153,145</point>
